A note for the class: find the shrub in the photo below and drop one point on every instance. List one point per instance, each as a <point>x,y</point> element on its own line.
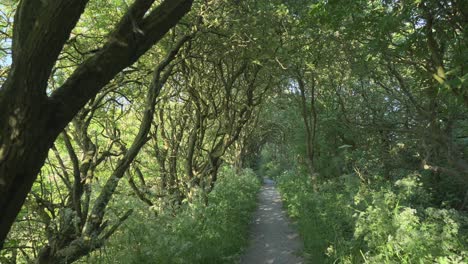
<point>353,219</point>
<point>197,233</point>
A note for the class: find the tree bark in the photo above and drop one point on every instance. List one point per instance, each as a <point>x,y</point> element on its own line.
<point>30,119</point>
<point>310,123</point>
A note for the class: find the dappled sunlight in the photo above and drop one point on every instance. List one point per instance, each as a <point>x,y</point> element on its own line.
<point>272,238</point>
<point>205,132</point>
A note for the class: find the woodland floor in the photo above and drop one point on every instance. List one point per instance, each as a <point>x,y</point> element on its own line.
<point>272,239</point>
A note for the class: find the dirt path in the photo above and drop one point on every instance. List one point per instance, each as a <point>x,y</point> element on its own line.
<point>273,241</point>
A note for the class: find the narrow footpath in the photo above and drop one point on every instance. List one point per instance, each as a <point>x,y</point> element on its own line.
<point>272,241</point>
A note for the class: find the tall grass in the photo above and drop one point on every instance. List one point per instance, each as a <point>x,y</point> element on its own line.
<point>196,234</point>
<point>354,221</point>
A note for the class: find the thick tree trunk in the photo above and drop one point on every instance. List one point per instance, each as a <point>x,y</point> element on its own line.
<point>23,150</point>
<point>30,120</point>
<point>28,130</point>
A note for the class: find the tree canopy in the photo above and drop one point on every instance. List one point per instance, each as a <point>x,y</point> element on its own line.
<point>113,111</point>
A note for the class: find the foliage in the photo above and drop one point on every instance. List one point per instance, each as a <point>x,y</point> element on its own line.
<point>375,170</point>
<point>202,234</point>
<point>351,221</point>
<point>165,123</point>
<point>358,108</point>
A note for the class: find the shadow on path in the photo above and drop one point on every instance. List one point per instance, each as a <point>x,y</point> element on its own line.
<point>273,241</point>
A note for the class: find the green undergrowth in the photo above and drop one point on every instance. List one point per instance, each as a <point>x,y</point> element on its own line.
<point>352,219</point>
<point>196,233</point>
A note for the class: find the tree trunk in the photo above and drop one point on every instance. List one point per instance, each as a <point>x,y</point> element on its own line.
<point>30,119</point>
<point>310,123</point>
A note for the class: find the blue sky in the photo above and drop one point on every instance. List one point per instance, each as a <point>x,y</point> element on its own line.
<point>6,60</point>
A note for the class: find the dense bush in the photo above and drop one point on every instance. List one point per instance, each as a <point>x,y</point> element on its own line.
<point>196,234</point>
<point>353,219</point>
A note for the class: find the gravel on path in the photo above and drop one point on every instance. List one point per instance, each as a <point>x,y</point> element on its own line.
<point>273,240</point>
